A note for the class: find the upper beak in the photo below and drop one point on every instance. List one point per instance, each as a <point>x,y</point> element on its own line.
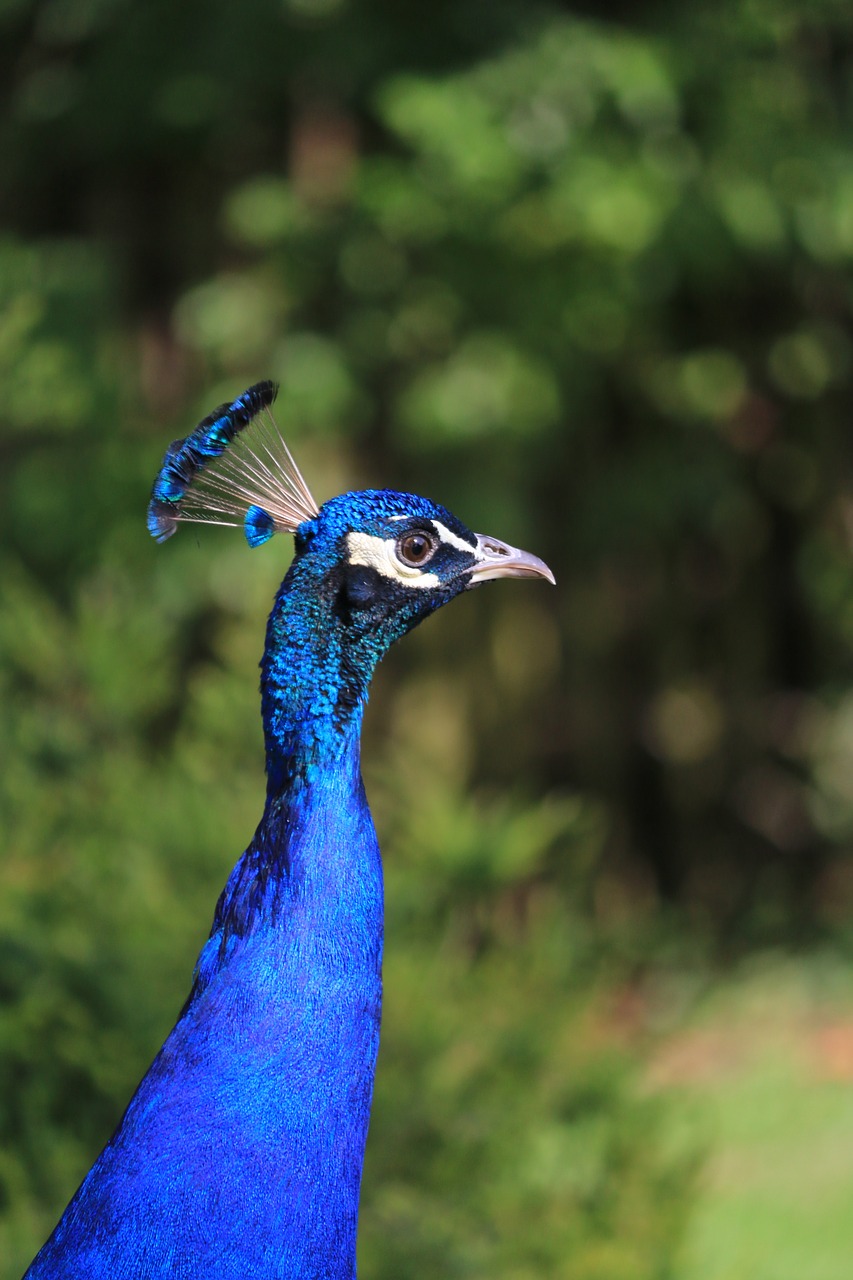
<point>496,559</point>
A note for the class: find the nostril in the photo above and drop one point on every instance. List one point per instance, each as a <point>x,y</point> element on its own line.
<point>492,548</point>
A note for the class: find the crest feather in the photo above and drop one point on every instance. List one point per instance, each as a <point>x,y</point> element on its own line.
<point>223,473</point>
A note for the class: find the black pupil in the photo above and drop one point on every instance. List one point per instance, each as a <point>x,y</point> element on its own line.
<point>415,548</point>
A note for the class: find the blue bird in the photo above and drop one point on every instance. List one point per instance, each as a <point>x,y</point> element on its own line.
<point>240,1154</point>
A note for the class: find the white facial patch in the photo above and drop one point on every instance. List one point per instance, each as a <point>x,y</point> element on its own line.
<point>380,554</point>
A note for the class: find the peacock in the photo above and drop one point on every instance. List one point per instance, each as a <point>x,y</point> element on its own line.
<point>240,1154</point>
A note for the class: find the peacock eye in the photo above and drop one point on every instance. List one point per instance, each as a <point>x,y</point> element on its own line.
<point>415,549</point>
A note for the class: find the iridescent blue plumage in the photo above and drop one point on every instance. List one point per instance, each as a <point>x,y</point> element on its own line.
<point>240,1154</point>
<point>258,526</point>
<point>185,459</point>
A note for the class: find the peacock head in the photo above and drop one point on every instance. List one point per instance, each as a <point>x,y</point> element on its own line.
<point>392,558</point>
<point>374,562</point>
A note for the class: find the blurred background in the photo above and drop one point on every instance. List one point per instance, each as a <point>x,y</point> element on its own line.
<point>582,273</point>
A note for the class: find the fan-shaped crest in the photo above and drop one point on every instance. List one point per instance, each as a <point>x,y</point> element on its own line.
<point>234,469</point>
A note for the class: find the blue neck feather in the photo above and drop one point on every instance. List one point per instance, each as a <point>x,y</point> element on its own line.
<point>241,1152</point>
<point>313,687</point>
<point>315,674</point>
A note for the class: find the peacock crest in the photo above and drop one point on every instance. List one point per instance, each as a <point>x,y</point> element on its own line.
<point>233,469</point>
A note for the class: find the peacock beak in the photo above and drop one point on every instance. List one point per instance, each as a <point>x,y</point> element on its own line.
<point>496,559</point>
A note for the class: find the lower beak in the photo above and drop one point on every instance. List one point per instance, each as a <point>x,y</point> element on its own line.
<point>496,559</point>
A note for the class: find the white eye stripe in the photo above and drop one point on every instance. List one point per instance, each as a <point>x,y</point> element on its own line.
<point>452,539</point>
<point>380,554</point>
<point>446,535</point>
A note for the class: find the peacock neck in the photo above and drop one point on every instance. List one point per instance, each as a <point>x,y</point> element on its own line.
<point>313,869</point>
<point>280,1037</point>
<point>314,681</point>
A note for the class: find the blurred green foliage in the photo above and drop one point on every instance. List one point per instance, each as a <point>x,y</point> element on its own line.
<point>586,279</point>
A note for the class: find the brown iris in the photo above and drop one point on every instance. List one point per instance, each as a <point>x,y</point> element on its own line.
<point>415,549</point>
